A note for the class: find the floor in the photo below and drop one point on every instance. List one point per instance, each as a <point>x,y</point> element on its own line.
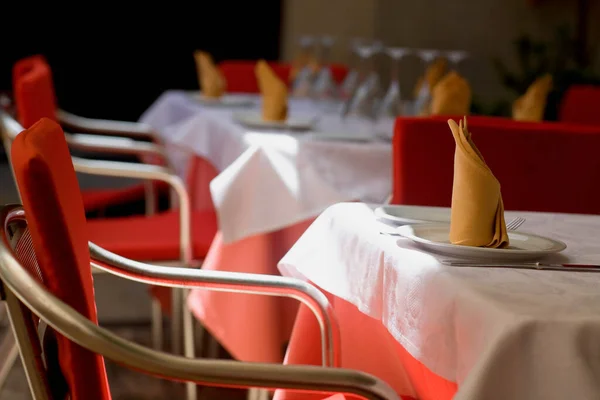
<point>123,307</point>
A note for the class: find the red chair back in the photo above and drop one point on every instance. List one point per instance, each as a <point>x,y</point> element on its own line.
<point>23,65</point>
<point>240,75</point>
<point>33,91</point>
<point>56,222</point>
<point>581,105</point>
<point>549,167</point>
<point>241,79</point>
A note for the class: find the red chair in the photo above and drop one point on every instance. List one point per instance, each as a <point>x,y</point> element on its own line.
<point>545,166</point>
<point>240,74</point>
<point>180,237</point>
<point>581,105</point>
<point>45,268</point>
<point>34,96</point>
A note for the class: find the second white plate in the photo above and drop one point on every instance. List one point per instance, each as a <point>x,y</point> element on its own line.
<point>403,215</point>
<point>227,100</point>
<point>254,120</point>
<point>523,246</point>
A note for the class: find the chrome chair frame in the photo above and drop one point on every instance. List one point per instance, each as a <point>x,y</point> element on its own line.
<point>20,288</point>
<point>104,127</point>
<point>182,321</point>
<point>10,128</point>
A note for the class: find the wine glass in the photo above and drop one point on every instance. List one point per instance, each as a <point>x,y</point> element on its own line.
<point>392,102</point>
<point>304,78</point>
<point>351,81</point>
<point>365,100</point>
<point>424,95</point>
<point>455,57</point>
<point>324,89</point>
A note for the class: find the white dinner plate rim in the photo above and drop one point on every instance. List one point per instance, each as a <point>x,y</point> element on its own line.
<point>382,214</point>
<point>405,232</point>
<point>227,100</point>
<point>253,120</point>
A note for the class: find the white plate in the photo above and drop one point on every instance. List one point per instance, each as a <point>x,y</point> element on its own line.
<point>254,120</point>
<point>227,100</point>
<point>343,137</point>
<point>403,215</point>
<point>523,246</point>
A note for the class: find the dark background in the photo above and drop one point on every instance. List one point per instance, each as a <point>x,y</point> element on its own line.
<point>113,62</point>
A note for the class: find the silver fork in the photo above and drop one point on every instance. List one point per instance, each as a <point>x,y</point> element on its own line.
<point>515,224</point>
<point>511,226</point>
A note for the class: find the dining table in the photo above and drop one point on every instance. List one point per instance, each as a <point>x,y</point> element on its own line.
<point>437,325</point>
<point>266,184</point>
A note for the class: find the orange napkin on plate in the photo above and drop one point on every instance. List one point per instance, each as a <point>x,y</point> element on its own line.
<point>531,106</point>
<point>477,215</point>
<point>433,74</point>
<point>273,91</point>
<point>211,80</point>
<point>451,96</point>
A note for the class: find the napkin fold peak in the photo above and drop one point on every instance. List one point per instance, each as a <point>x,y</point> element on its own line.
<point>274,93</point>
<point>210,78</point>
<point>531,105</point>
<point>451,96</point>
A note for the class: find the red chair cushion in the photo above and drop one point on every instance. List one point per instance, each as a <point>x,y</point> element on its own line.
<point>56,219</point>
<point>580,105</point>
<point>549,167</point>
<point>33,91</point>
<point>101,198</point>
<point>154,238</point>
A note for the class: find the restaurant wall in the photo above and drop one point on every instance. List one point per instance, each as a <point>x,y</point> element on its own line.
<point>484,28</point>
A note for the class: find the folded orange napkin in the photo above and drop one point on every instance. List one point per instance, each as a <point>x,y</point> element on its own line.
<point>477,215</point>
<point>451,96</point>
<point>273,91</point>
<point>211,80</point>
<point>531,106</point>
<point>436,70</point>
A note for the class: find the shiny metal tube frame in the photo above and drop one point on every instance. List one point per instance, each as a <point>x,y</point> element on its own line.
<point>19,284</point>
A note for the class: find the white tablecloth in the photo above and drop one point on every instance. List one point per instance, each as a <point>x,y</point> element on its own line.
<point>498,333</point>
<point>270,180</point>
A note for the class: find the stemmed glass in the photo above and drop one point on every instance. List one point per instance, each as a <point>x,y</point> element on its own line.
<point>391,105</point>
<point>304,79</point>
<point>424,95</point>
<point>324,89</point>
<point>456,57</point>
<point>365,100</point>
<point>351,81</point>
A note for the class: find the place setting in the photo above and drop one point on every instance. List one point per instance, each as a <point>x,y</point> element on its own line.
<point>214,86</point>
<point>473,232</point>
<point>274,113</point>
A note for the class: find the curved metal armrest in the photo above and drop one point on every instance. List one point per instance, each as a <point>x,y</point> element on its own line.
<point>112,144</point>
<point>80,330</point>
<point>226,281</point>
<point>106,127</point>
<point>9,125</point>
<point>145,171</point>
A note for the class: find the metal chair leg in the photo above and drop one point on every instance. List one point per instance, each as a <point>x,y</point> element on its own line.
<point>176,319</point>
<point>189,345</point>
<point>9,351</point>
<point>157,325</point>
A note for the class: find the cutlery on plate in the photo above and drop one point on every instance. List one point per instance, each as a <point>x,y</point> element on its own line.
<point>515,224</point>
<point>526,265</point>
<point>511,226</point>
